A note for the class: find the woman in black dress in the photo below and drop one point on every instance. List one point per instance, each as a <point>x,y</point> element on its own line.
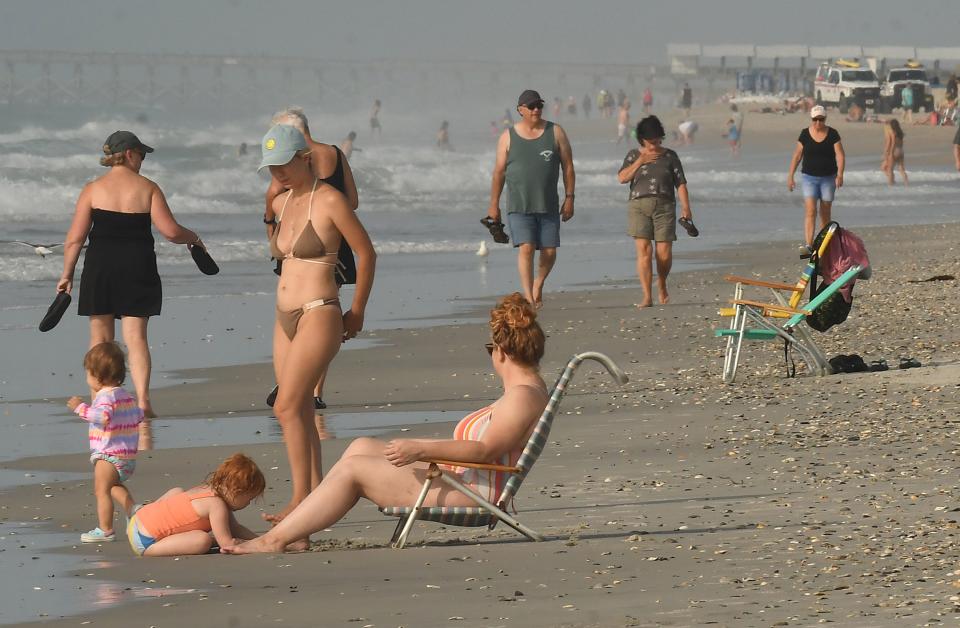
<point>120,278</point>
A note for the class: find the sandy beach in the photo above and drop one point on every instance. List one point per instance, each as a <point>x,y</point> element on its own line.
<point>675,500</point>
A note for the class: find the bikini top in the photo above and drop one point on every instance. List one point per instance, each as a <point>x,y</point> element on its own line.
<point>308,246</point>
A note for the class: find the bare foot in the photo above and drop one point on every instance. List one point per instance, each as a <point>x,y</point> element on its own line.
<point>259,545</point>
<point>664,297</point>
<point>148,412</point>
<point>643,304</point>
<point>298,546</point>
<point>280,516</point>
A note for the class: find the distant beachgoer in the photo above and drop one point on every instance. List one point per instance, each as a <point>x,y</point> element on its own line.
<point>951,91</point>
<point>893,151</point>
<point>242,149</point>
<point>312,218</point>
<point>506,121</point>
<point>647,100</point>
<point>330,165</point>
<point>571,106</point>
<point>621,97</point>
<point>623,119</point>
<point>348,148</point>
<point>390,472</point>
<point>587,104</point>
<point>821,175</point>
<point>494,129</point>
<point>120,278</point>
<point>856,113</point>
<point>375,119</point>
<point>906,101</point>
<point>180,522</point>
<point>956,149</point>
<point>688,131</point>
<point>529,158</point>
<point>733,137</point>
<point>556,108</point>
<point>686,99</point>
<point>114,420</point>
<point>443,137</point>
<point>737,116</point>
<point>654,172</point>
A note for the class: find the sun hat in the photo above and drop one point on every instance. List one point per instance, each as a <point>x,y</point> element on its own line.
<point>280,144</point>
<point>120,141</point>
<point>818,111</point>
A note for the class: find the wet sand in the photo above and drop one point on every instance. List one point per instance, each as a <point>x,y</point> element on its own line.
<point>675,500</point>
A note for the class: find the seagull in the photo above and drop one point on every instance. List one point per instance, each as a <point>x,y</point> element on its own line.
<point>482,251</point>
<point>40,249</point>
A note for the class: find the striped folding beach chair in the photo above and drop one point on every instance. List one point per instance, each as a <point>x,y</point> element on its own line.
<point>486,513</point>
<point>762,327</point>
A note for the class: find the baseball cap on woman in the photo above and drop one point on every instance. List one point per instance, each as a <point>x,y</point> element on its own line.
<point>818,112</point>
<point>120,141</point>
<point>280,144</point>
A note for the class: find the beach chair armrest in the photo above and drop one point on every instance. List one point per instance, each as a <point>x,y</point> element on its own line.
<point>472,465</point>
<point>769,307</point>
<point>763,284</point>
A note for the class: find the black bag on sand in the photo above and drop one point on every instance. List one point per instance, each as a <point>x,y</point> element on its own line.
<point>346,271</point>
<point>55,312</point>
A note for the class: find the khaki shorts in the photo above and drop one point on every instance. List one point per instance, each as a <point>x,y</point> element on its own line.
<point>652,218</point>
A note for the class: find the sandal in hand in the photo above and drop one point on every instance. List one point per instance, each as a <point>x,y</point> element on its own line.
<point>496,230</point>
<point>691,228</point>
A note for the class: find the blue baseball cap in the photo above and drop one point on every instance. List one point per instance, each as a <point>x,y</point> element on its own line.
<point>280,144</point>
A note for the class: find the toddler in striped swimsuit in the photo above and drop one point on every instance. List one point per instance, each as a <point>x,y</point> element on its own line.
<point>114,419</point>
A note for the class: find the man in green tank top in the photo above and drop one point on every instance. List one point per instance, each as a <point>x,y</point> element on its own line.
<point>530,155</point>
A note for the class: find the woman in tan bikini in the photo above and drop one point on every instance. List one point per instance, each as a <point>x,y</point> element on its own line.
<point>310,326</point>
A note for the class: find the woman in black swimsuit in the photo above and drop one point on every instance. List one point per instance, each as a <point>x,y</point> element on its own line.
<point>120,278</point>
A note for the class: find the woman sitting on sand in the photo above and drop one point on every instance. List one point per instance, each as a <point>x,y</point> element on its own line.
<point>310,326</point>
<point>388,473</point>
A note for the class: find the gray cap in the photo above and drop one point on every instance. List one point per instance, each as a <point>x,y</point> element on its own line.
<point>120,141</point>
<point>280,144</point>
<point>528,97</point>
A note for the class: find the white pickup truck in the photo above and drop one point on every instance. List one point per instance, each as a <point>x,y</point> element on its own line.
<point>844,83</point>
<point>897,78</point>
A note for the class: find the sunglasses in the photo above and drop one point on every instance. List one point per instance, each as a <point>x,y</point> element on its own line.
<point>534,105</point>
<point>489,347</point>
<point>819,119</point>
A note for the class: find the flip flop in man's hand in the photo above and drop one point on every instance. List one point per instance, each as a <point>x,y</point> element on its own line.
<point>496,230</point>
<point>691,228</point>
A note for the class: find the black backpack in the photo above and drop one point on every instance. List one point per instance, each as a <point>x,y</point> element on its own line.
<point>835,309</point>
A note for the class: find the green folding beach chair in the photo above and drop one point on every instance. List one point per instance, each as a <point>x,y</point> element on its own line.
<point>486,513</point>
<point>762,327</point>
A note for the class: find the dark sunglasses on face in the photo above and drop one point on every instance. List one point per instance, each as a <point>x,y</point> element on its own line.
<point>489,347</point>
<point>534,105</point>
<point>819,119</point>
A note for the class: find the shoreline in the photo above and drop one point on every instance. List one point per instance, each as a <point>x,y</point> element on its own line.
<point>605,488</point>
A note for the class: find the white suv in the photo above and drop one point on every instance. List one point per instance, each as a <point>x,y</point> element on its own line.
<point>845,82</point>
<point>913,75</point>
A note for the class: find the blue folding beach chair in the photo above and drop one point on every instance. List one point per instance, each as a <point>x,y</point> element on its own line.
<point>486,513</point>
<point>762,327</point>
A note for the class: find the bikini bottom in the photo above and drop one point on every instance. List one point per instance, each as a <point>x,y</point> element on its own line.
<point>289,320</point>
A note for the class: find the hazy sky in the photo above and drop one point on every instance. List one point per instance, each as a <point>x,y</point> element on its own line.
<point>563,30</point>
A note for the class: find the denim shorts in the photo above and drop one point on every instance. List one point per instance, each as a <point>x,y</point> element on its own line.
<point>541,230</point>
<point>818,187</point>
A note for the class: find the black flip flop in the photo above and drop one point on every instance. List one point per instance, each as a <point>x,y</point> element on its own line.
<point>879,365</point>
<point>203,260</point>
<point>55,312</point>
<point>496,230</point>
<point>691,228</point>
<point>319,404</point>
<point>909,363</point>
